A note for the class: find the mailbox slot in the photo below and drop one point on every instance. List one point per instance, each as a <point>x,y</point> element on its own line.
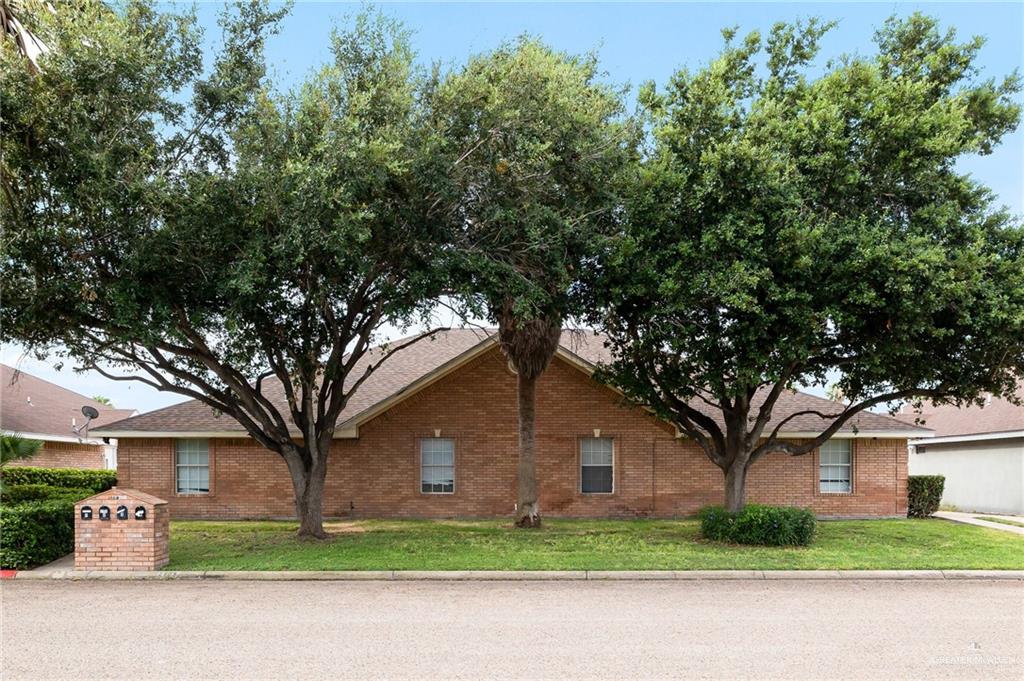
<point>140,512</point>
<point>104,513</point>
<point>86,513</point>
<point>122,513</point>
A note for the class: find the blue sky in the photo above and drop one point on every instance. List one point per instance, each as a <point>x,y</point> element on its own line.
<point>635,42</point>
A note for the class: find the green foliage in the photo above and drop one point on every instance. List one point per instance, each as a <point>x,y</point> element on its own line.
<point>205,233</point>
<point>716,523</point>
<point>535,146</point>
<point>71,478</point>
<point>17,448</point>
<point>760,525</point>
<point>564,544</point>
<point>924,494</point>
<point>17,494</point>
<point>37,511</point>
<point>36,532</point>
<point>798,220</point>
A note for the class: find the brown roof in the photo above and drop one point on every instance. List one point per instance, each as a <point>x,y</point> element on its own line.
<point>409,368</point>
<point>999,415</point>
<point>29,404</point>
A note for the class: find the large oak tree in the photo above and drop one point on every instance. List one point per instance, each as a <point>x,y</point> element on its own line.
<point>186,226</point>
<point>534,143</point>
<point>797,221</point>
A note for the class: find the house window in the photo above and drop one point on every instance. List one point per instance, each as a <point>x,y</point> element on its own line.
<point>437,465</point>
<point>835,463</point>
<point>192,466</point>
<point>596,465</point>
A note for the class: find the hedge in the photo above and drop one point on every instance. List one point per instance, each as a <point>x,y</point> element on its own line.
<point>759,525</point>
<point>37,512</point>
<point>95,480</point>
<point>18,494</point>
<point>924,494</point>
<point>36,532</point>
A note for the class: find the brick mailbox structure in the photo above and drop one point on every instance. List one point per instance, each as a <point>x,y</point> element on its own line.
<point>121,529</point>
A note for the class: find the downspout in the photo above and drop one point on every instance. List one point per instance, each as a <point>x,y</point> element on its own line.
<point>654,485</point>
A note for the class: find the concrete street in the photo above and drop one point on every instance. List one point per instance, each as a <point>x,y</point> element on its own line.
<point>513,630</point>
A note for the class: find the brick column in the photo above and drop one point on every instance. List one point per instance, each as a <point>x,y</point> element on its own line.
<point>121,529</point>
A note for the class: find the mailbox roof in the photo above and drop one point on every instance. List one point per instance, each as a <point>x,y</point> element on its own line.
<point>134,494</point>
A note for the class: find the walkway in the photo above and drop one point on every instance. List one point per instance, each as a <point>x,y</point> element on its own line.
<point>972,519</point>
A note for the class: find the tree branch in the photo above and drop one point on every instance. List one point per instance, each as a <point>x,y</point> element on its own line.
<point>771,444</point>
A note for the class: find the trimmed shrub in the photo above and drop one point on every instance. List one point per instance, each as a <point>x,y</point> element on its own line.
<point>37,512</point>
<point>716,523</point>
<point>759,525</point>
<point>17,494</point>
<point>924,493</point>
<point>77,478</point>
<point>36,532</point>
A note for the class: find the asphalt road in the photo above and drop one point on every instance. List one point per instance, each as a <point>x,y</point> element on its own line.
<point>513,630</point>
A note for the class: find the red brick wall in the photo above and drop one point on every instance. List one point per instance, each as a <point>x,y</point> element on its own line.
<point>66,455</point>
<point>121,544</point>
<point>378,474</point>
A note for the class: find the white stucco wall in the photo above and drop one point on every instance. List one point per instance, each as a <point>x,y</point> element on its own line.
<point>985,476</point>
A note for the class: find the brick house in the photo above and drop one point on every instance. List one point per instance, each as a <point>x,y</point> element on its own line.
<point>432,433</point>
<point>40,410</point>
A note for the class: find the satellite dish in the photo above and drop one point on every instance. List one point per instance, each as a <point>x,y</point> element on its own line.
<point>90,413</point>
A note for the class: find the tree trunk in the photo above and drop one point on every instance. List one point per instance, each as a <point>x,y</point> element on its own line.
<point>528,507</point>
<point>308,483</point>
<point>736,486</point>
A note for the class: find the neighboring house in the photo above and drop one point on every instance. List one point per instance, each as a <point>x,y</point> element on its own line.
<point>40,410</point>
<point>980,451</point>
<point>433,433</point>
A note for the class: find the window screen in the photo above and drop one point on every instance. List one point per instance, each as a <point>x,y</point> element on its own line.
<point>835,463</point>
<point>597,465</point>
<point>437,465</point>
<point>192,466</point>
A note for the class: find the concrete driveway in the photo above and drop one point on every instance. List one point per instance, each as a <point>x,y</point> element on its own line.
<point>513,630</point>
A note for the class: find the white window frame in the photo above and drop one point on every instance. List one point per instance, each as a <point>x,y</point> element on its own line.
<point>583,464</point>
<point>827,459</point>
<point>425,466</point>
<point>178,466</point>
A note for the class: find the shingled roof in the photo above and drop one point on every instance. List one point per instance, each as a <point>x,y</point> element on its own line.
<point>998,415</point>
<point>426,360</point>
<point>32,406</point>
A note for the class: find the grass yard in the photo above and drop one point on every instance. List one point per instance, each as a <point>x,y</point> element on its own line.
<point>582,545</point>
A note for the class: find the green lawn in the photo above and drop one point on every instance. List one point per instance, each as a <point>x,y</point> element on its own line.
<point>582,545</point>
<point>1004,521</point>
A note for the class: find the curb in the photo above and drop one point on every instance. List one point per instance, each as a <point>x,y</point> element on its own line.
<point>523,576</point>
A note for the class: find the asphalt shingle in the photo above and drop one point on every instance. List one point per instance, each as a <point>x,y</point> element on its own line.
<point>419,358</point>
<point>29,404</point>
<point>998,415</point>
